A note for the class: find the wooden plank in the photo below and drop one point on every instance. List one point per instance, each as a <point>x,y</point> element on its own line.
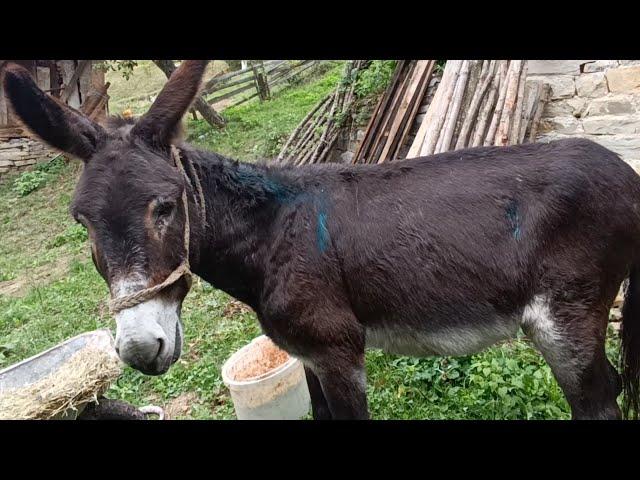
<point>421,92</point>
<point>389,115</point>
<point>71,74</point>
<point>43,78</point>
<point>233,83</point>
<point>221,78</point>
<point>232,93</point>
<point>406,104</point>
<point>85,82</point>
<point>376,119</point>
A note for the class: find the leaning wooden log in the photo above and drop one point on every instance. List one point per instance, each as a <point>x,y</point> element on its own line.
<point>304,121</point>
<point>514,133</point>
<point>533,90</point>
<point>546,89</point>
<point>416,146</point>
<point>382,135</point>
<point>472,113</point>
<point>447,85</point>
<point>400,116</point>
<point>454,111</point>
<point>422,90</point>
<point>476,71</point>
<point>495,119</point>
<point>486,109</point>
<point>506,117</point>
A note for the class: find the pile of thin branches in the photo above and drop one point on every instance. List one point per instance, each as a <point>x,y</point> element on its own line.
<point>313,138</point>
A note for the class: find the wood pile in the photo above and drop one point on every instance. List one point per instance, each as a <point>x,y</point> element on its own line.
<point>313,138</point>
<point>393,117</point>
<point>481,102</point>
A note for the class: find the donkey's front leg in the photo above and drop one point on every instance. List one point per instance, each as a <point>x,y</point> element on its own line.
<point>343,380</point>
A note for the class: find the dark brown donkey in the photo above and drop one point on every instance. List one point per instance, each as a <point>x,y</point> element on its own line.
<point>442,255</point>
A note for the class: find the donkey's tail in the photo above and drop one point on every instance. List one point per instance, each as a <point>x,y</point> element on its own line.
<point>630,348</point>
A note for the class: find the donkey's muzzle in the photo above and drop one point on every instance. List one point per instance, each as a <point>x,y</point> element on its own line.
<point>148,354</point>
<point>149,336</point>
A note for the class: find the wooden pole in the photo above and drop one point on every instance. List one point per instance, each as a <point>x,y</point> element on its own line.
<point>454,111</point>
<point>448,83</point>
<point>502,134</point>
<point>495,119</point>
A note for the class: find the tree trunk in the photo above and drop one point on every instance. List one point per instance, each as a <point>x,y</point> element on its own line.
<point>200,104</point>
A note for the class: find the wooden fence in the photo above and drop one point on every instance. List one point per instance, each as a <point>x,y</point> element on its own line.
<point>259,79</point>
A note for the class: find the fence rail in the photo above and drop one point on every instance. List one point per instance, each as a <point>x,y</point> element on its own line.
<point>260,77</point>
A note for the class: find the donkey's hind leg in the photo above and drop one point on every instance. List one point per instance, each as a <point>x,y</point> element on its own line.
<point>319,404</point>
<point>571,338</point>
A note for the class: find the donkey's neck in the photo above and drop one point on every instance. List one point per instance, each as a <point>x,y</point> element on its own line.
<point>242,202</point>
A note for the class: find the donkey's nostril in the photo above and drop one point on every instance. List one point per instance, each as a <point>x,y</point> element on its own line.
<point>160,346</point>
<point>118,350</point>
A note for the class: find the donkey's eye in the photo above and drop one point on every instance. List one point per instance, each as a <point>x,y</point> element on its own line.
<point>81,220</point>
<point>162,213</point>
<point>164,209</point>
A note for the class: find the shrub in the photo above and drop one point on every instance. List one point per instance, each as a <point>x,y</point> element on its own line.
<point>375,79</point>
<point>30,181</point>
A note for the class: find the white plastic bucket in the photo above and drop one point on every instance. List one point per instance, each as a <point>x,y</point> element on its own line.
<point>278,394</point>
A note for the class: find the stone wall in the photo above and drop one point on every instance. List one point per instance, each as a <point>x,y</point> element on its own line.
<point>19,154</point>
<point>595,99</point>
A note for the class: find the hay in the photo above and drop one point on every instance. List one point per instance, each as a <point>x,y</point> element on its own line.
<point>83,378</point>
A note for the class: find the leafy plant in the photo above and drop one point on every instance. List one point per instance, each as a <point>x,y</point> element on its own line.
<point>30,181</point>
<point>375,79</point>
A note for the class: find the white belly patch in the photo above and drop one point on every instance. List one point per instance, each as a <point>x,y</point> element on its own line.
<point>452,341</point>
<point>465,339</point>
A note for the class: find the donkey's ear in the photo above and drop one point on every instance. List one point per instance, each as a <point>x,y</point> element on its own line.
<point>51,120</point>
<point>161,124</point>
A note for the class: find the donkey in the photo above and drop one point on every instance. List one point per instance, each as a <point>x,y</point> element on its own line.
<point>440,255</point>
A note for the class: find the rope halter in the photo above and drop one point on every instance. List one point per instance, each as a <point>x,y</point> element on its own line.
<point>183,270</point>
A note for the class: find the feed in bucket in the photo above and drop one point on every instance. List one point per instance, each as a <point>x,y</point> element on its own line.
<point>266,383</point>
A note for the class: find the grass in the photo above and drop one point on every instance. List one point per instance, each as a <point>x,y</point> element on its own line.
<point>258,130</point>
<point>50,291</point>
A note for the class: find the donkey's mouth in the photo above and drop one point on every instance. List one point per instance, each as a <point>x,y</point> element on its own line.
<point>177,346</point>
